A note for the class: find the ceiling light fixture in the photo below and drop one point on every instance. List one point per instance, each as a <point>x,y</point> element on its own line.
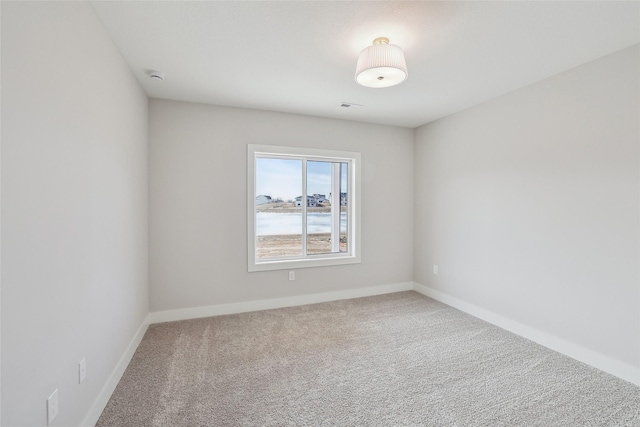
<point>381,65</point>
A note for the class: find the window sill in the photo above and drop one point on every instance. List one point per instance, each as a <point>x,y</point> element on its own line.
<point>292,264</point>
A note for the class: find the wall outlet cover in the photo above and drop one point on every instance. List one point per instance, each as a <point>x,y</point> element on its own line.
<point>52,407</point>
<point>82,370</point>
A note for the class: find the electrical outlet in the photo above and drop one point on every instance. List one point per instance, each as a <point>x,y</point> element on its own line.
<point>435,269</point>
<point>292,275</point>
<point>52,407</point>
<point>82,370</point>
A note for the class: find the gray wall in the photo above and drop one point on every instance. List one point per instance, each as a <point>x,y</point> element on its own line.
<point>529,204</point>
<point>74,209</point>
<point>198,203</point>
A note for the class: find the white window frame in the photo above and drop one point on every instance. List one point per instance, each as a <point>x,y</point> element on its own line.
<point>352,256</point>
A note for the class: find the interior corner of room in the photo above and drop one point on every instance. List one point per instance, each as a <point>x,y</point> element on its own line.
<point>124,206</point>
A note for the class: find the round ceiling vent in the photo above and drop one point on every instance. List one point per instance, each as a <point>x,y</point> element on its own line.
<point>156,75</point>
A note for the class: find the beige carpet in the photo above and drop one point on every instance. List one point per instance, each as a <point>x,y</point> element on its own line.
<point>392,360</point>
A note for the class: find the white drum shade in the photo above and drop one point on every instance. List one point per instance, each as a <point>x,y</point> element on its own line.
<point>381,65</point>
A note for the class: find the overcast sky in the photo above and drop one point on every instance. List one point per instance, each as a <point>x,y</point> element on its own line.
<point>282,178</point>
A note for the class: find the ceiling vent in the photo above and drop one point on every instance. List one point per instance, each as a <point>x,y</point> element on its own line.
<point>156,75</point>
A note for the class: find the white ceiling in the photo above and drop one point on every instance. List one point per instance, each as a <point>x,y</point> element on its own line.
<point>300,57</point>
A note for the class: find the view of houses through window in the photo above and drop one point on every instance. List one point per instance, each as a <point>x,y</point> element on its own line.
<point>289,224</point>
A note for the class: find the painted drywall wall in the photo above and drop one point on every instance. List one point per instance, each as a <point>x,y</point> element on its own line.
<point>198,184</point>
<point>74,209</point>
<point>529,205</point>
<point>0,228</point>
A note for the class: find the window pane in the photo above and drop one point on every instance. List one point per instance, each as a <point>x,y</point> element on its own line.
<point>344,181</point>
<point>278,217</point>
<point>318,207</point>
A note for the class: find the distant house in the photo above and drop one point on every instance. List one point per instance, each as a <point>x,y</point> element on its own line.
<point>311,201</point>
<point>343,199</point>
<point>321,198</point>
<point>261,200</point>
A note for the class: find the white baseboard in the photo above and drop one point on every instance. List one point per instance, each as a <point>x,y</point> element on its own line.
<point>593,358</point>
<point>101,401</point>
<point>620,369</point>
<point>243,307</point>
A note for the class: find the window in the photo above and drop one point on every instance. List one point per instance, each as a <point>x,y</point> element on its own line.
<point>303,207</point>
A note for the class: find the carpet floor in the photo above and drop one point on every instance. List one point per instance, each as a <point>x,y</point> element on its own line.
<point>392,360</point>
